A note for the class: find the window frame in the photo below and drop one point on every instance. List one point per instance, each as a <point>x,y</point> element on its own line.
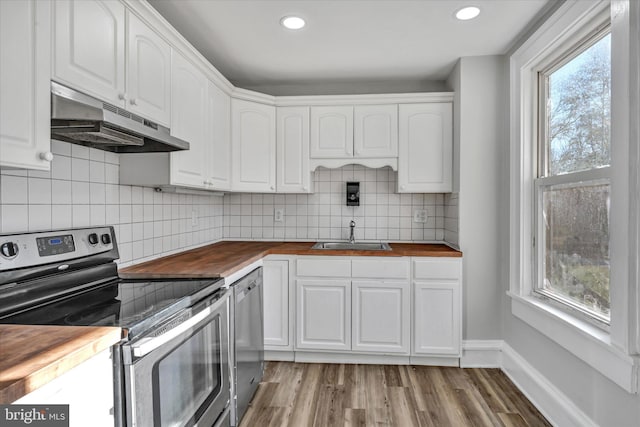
<point>609,352</point>
<point>542,180</point>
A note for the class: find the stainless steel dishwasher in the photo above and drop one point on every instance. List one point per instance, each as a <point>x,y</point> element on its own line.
<point>249,340</point>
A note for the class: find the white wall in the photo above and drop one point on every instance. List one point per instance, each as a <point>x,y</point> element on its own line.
<point>480,87</point>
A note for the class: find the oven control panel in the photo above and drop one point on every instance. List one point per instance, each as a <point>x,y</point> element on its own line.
<point>32,249</point>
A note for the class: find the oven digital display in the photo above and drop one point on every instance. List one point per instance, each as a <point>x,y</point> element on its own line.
<point>55,245</point>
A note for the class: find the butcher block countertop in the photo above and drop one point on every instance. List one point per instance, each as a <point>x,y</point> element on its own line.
<point>31,356</point>
<point>225,258</point>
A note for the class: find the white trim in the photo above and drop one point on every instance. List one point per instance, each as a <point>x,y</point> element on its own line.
<point>367,99</point>
<point>237,275</point>
<point>338,163</point>
<point>585,341</point>
<point>557,408</point>
<point>330,357</point>
<point>278,355</point>
<point>481,354</point>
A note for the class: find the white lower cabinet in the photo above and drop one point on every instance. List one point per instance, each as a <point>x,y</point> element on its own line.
<point>86,388</point>
<point>360,308</point>
<point>437,324</point>
<point>323,316</point>
<point>381,316</point>
<point>276,304</point>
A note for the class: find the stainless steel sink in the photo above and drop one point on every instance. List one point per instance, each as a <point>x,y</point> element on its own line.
<point>346,246</point>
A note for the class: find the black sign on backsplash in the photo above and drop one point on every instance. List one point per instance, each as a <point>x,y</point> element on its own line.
<point>34,415</point>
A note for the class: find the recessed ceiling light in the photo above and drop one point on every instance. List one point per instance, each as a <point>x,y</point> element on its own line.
<point>292,22</point>
<point>467,13</point>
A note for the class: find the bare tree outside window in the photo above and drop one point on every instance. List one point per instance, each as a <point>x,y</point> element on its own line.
<point>573,192</point>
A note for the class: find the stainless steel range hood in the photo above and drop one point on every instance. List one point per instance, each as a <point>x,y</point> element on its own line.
<point>82,119</point>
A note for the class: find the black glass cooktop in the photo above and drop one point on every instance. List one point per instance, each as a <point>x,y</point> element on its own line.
<point>133,305</point>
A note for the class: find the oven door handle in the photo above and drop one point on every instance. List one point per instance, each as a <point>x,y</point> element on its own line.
<point>147,345</point>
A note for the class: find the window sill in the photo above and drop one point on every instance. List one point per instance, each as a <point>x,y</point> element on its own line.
<point>583,340</point>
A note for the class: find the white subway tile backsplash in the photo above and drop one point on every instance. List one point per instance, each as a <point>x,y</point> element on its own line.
<point>39,217</point>
<point>79,169</point>
<point>39,191</point>
<point>14,189</point>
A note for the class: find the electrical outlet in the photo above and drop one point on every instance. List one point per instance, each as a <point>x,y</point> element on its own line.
<point>278,215</point>
<point>420,215</point>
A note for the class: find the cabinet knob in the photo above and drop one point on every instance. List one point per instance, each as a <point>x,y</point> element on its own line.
<point>47,156</point>
<point>304,188</point>
<point>402,187</point>
<point>358,152</point>
<point>133,101</point>
<point>122,96</point>
<point>273,188</point>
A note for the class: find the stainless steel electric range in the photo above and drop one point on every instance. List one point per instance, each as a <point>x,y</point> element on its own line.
<point>172,365</point>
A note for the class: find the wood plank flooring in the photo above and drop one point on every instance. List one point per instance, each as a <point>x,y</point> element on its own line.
<point>324,395</point>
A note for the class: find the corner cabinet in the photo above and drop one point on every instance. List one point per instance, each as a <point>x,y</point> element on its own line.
<point>292,150</point>
<point>253,142</point>
<point>425,151</point>
<point>25,116</point>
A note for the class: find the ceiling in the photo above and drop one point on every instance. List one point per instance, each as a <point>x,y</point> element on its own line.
<point>401,44</point>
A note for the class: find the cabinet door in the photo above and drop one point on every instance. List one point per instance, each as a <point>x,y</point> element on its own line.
<point>292,148</point>
<point>381,316</point>
<point>89,47</point>
<point>219,139</point>
<point>436,310</point>
<point>375,131</point>
<point>323,314</point>
<point>331,132</point>
<point>188,122</point>
<point>425,151</point>
<point>276,303</point>
<point>253,136</point>
<point>148,72</point>
<point>25,107</point>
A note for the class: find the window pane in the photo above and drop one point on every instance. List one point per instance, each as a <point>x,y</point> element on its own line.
<point>576,234</point>
<point>579,111</point>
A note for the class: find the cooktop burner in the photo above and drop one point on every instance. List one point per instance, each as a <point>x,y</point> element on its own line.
<point>123,303</point>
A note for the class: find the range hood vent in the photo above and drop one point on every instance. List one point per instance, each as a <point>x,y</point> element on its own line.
<point>81,119</point>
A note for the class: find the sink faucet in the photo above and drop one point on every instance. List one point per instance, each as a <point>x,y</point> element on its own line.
<point>352,226</point>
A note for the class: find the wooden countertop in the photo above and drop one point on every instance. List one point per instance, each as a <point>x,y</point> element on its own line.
<point>31,356</point>
<point>224,258</point>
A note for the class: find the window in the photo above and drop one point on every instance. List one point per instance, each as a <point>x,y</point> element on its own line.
<point>572,184</point>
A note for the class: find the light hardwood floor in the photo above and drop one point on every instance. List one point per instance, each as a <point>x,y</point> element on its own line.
<point>323,395</point>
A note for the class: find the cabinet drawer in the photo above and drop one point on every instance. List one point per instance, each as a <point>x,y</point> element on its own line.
<point>323,267</point>
<point>436,268</point>
<point>383,268</point>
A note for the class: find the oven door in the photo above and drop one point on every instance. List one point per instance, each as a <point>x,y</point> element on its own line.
<point>181,377</point>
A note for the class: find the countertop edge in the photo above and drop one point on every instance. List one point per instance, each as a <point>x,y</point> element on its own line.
<point>53,365</point>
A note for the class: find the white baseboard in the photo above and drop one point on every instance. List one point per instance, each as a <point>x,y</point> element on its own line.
<point>481,354</point>
<point>557,408</point>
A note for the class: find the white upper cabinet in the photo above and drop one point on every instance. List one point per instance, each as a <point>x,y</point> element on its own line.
<point>189,88</point>
<point>92,40</point>
<point>89,47</point>
<point>375,131</point>
<point>25,115</point>
<point>253,136</point>
<point>331,132</point>
<point>292,148</point>
<point>218,139</point>
<point>148,72</point>
<point>425,157</point>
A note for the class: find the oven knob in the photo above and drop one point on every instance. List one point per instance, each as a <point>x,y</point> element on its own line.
<point>93,239</point>
<point>9,250</point>
<point>106,239</point>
